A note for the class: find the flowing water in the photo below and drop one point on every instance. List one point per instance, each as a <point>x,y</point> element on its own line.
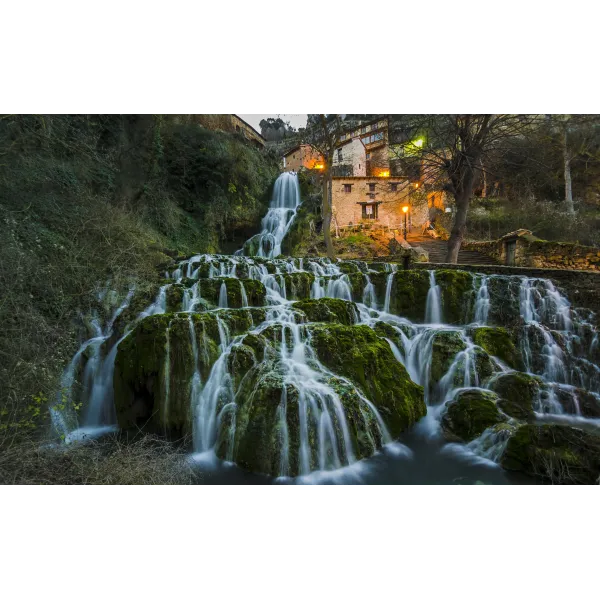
<point>278,220</point>
<point>556,343</point>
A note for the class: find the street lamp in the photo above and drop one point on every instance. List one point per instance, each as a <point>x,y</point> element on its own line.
<point>405,211</point>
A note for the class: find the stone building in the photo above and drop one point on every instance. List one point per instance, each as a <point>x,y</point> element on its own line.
<point>372,201</point>
<point>303,156</point>
<point>231,124</point>
<point>373,137</point>
<point>349,159</point>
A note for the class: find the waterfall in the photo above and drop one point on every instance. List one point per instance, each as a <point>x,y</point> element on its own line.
<point>223,296</point>
<point>369,294</point>
<point>433,307</point>
<point>555,341</point>
<point>278,220</point>
<point>482,303</point>
<point>388,288</point>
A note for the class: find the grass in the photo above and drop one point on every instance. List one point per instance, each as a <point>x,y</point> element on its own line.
<point>111,461</point>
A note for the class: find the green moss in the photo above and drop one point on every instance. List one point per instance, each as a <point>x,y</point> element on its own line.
<point>359,354</point>
<point>498,342</point>
<point>328,310</point>
<point>446,345</point>
<point>557,453</point>
<point>210,290</point>
<point>518,393</point>
<point>456,293</point>
<point>409,294</point>
<point>142,395</point>
<point>174,297</point>
<point>298,285</point>
<point>469,414</point>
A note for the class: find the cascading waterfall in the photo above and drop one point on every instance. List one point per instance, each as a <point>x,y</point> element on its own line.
<point>277,221</point>
<point>433,308</point>
<point>482,303</point>
<point>556,344</point>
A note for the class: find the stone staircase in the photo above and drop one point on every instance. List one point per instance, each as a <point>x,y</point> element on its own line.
<point>437,251</point>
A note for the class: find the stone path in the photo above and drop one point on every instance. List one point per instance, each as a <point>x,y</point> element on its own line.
<point>437,251</point>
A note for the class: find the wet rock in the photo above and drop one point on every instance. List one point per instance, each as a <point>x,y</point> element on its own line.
<point>457,294</point>
<point>328,310</point>
<point>498,341</point>
<point>518,393</point>
<point>359,354</point>
<point>469,414</point>
<point>556,453</point>
<point>446,345</point>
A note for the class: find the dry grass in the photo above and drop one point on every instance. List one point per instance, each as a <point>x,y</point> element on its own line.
<point>147,460</point>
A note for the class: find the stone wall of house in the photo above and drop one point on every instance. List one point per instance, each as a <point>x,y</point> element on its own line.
<point>351,154</point>
<point>347,211</point>
<point>542,254</point>
<point>301,157</point>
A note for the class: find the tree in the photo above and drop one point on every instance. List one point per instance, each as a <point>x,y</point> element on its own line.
<point>576,135</point>
<point>323,133</point>
<point>449,151</point>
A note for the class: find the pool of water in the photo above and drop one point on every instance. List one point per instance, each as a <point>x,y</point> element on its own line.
<point>414,459</point>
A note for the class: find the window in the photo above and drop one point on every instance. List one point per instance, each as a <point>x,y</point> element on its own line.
<point>347,188</point>
<point>363,130</point>
<point>368,156</point>
<point>340,154</point>
<point>371,196</point>
<point>366,140</point>
<point>369,211</point>
<point>381,124</point>
<point>371,187</point>
<point>393,187</point>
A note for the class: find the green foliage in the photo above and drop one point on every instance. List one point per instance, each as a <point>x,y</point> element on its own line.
<point>88,201</point>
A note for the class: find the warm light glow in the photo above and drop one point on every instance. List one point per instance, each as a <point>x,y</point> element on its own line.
<point>418,143</point>
<point>319,166</point>
<point>405,209</point>
<point>383,174</point>
<point>416,185</point>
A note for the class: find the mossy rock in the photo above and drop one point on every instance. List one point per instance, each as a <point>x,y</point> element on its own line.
<point>469,414</point>
<point>556,453</point>
<point>328,310</point>
<point>409,294</point>
<point>498,342</point>
<point>174,295</point>
<point>210,290</point>
<point>149,390</point>
<point>518,393</point>
<point>446,345</point>
<point>144,395</point>
<point>456,294</point>
<point>392,331</point>
<point>504,300</point>
<point>572,399</point>
<point>359,354</point>
<point>298,285</point>
<point>268,413</point>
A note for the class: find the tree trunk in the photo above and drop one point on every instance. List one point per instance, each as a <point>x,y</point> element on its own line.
<point>568,188</point>
<point>326,204</point>
<point>462,196</point>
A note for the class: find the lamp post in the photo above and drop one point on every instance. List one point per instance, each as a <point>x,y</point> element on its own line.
<point>405,211</point>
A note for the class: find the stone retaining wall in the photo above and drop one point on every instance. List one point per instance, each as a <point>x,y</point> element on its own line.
<point>541,254</point>
<point>582,288</point>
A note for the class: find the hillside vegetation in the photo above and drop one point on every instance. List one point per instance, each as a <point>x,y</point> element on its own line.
<point>90,203</point>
